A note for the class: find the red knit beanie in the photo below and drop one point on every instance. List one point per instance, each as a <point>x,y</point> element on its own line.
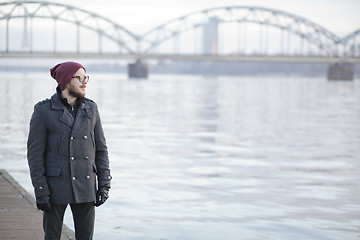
<point>63,73</point>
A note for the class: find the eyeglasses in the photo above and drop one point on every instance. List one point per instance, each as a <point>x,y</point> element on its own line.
<point>82,78</point>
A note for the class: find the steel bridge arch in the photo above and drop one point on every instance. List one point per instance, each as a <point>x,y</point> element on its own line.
<point>67,13</point>
<point>351,43</point>
<point>300,26</point>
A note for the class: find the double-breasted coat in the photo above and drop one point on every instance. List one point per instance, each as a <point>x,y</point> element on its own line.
<point>68,157</point>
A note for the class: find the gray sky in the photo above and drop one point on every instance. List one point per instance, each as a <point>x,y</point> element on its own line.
<point>338,16</point>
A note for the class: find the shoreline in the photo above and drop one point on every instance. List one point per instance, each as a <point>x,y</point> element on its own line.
<point>19,190</point>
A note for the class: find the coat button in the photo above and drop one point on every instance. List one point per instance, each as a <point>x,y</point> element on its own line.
<point>40,188</point>
<point>72,138</point>
<point>85,137</point>
<point>74,178</point>
<point>72,158</point>
<point>88,177</point>
<point>86,158</point>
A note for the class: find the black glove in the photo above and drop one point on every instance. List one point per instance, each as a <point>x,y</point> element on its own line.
<point>101,196</point>
<point>43,203</point>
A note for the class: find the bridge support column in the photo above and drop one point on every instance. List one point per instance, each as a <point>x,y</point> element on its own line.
<point>341,71</point>
<point>138,70</point>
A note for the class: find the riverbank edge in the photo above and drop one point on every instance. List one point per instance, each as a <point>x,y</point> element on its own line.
<point>66,230</point>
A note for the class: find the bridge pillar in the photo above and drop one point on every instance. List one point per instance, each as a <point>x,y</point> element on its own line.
<point>341,71</point>
<point>138,70</point>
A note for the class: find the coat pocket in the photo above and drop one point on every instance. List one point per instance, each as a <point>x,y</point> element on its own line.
<point>53,172</point>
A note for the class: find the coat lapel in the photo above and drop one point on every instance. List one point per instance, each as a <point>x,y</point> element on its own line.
<point>65,116</point>
<point>81,116</point>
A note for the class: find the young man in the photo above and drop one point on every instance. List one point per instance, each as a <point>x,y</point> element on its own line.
<point>67,154</point>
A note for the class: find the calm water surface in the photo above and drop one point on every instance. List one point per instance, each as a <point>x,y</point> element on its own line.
<point>201,158</point>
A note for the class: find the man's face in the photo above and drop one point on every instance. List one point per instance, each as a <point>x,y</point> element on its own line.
<point>76,88</point>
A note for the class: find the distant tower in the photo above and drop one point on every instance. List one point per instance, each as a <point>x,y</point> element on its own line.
<point>211,37</point>
<point>25,42</point>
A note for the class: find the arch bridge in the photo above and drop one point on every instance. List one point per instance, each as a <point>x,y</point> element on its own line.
<point>351,44</point>
<point>55,13</point>
<point>306,30</point>
<point>252,34</point>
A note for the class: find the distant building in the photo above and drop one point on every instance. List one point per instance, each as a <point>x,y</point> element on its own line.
<point>211,37</point>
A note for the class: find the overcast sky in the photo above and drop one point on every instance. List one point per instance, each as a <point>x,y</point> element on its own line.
<point>338,16</point>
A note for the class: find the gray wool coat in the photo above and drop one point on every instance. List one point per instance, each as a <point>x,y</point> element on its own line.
<point>68,159</point>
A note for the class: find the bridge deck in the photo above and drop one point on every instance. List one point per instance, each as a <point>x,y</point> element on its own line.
<point>184,57</point>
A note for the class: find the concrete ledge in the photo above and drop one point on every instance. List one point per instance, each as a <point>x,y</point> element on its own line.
<point>12,220</point>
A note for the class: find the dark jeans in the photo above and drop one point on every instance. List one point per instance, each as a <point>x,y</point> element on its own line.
<point>84,219</point>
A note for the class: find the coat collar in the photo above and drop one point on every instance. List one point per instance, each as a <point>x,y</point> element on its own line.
<point>58,105</point>
<point>82,114</point>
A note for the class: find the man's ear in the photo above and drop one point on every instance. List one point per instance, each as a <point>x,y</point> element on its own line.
<point>67,85</point>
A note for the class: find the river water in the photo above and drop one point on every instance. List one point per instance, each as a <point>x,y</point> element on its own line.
<point>209,158</point>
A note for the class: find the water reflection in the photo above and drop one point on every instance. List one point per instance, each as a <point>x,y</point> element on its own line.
<point>213,158</point>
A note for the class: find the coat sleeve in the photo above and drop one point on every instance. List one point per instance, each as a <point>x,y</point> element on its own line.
<point>101,154</point>
<point>36,145</point>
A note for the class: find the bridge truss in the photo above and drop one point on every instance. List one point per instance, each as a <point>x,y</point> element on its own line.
<point>326,41</point>
<point>103,27</point>
<point>129,44</point>
<point>351,44</point>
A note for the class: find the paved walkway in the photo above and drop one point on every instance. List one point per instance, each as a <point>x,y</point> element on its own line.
<point>19,217</point>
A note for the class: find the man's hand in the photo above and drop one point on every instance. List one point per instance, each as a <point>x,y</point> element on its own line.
<point>101,196</point>
<point>43,203</point>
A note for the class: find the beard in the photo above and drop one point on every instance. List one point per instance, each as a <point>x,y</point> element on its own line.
<point>74,93</point>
